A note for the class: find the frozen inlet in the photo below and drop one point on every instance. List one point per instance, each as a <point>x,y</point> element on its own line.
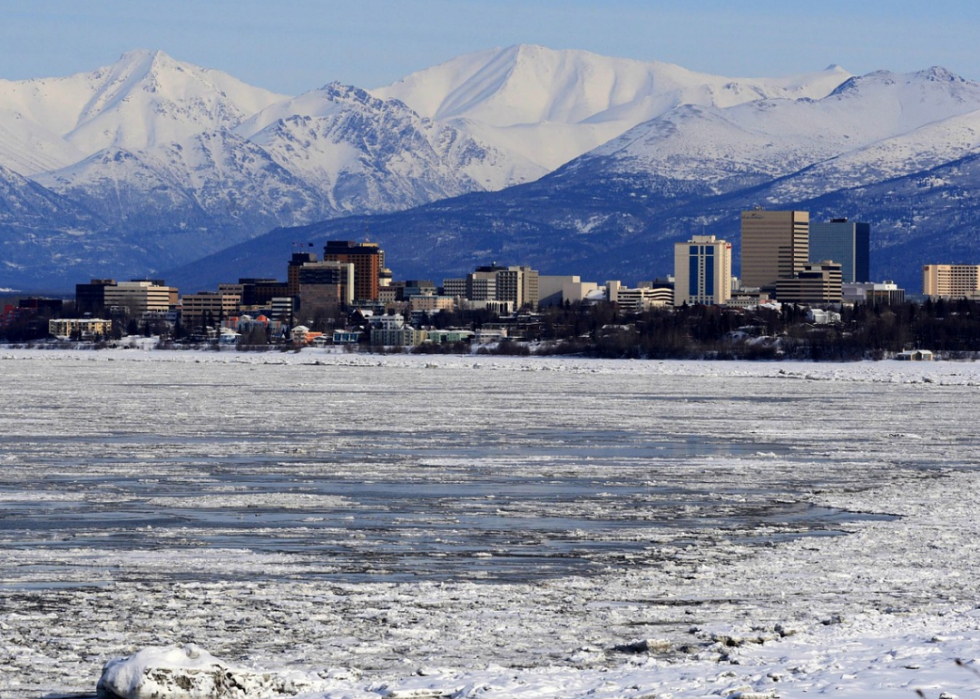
<point>312,518</point>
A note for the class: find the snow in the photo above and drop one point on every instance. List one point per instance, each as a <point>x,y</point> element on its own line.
<point>359,526</point>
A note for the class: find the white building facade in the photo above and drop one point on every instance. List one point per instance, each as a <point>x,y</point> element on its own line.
<point>702,271</point>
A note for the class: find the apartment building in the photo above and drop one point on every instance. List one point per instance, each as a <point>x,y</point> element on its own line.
<point>85,327</point>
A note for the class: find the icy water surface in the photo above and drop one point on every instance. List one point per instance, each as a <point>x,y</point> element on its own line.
<point>366,473</point>
<point>315,512</point>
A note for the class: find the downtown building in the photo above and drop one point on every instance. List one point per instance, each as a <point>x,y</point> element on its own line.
<point>814,284</point>
<point>951,281</point>
<point>325,287</point>
<point>133,298</point>
<point>369,265</point>
<point>140,296</point>
<point>843,241</point>
<point>702,271</point>
<point>505,289</point>
<point>775,246</point>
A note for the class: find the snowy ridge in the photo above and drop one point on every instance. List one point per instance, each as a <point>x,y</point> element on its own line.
<point>771,138</point>
<point>516,96</point>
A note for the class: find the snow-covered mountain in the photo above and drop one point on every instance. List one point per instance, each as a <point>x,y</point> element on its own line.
<point>748,143</point>
<point>144,99</point>
<point>151,163</point>
<point>368,155</point>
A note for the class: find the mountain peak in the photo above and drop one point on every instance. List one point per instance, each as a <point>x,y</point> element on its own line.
<point>939,74</point>
<point>144,62</point>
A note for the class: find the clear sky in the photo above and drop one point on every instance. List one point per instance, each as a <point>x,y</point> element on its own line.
<point>291,46</point>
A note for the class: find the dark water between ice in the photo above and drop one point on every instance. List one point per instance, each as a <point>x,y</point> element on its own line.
<point>593,507</point>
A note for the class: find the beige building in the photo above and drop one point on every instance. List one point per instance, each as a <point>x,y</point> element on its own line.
<point>554,290</point>
<point>85,327</point>
<point>643,299</point>
<point>747,299</point>
<point>138,297</point>
<point>951,281</point>
<point>196,306</point>
<point>702,271</point>
<point>431,303</point>
<point>775,245</point>
<point>639,299</point>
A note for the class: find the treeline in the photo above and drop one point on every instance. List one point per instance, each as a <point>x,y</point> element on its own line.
<point>864,331</point>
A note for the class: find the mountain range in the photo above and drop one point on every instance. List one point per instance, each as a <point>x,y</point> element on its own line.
<point>565,160</point>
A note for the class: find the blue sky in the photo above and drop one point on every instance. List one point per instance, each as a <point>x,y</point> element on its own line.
<point>295,45</point>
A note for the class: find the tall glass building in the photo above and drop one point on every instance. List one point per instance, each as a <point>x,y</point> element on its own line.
<point>845,242</point>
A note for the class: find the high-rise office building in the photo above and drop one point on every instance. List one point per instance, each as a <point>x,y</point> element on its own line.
<point>139,296</point>
<point>775,245</point>
<point>368,261</point>
<point>325,285</point>
<point>296,262</point>
<point>702,271</point>
<point>843,241</point>
<point>90,298</point>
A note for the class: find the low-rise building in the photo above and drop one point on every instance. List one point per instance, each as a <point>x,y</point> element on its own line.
<point>430,304</point>
<point>746,298</point>
<point>639,299</point>
<point>439,337</point>
<point>346,337</point>
<point>817,283</point>
<point>139,296</point>
<point>85,328</point>
<point>885,293</point>
<point>205,304</point>
<point>555,290</point>
<point>392,331</point>
<point>915,356</point>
